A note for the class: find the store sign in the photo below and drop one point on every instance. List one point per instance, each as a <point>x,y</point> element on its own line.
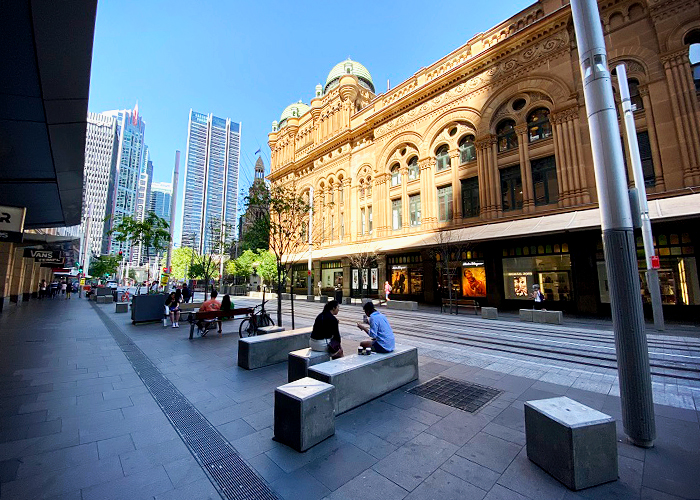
<point>11,224</point>
<point>44,256</point>
<point>655,264</point>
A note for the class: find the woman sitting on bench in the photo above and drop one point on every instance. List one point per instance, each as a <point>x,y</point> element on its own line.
<point>325,336</point>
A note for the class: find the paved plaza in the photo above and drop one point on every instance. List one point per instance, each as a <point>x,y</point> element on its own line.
<point>78,421</point>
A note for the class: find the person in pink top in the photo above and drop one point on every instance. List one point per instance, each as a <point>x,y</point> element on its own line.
<point>387,290</point>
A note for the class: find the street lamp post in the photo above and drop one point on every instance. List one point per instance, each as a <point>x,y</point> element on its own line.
<point>309,280</point>
<point>616,222</point>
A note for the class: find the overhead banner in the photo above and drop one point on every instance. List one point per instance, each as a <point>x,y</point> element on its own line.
<point>44,256</point>
<point>11,224</point>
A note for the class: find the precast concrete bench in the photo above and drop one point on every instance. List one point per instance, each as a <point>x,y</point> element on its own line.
<point>489,313</point>
<point>298,362</point>
<point>576,444</point>
<point>304,412</point>
<point>310,298</point>
<point>346,300</point>
<point>323,299</point>
<point>264,350</point>
<point>403,305</point>
<point>264,330</point>
<point>541,316</point>
<point>359,379</point>
<point>121,307</point>
<point>105,299</point>
<point>190,306</point>
<point>286,296</point>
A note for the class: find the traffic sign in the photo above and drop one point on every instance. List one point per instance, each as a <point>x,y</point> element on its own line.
<point>655,264</point>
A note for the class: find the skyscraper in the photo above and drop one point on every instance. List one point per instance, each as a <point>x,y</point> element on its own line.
<point>211,179</point>
<point>101,150</point>
<point>159,201</point>
<point>130,164</point>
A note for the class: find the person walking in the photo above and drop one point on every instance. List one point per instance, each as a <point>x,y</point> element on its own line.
<point>379,330</point>
<point>64,288</point>
<point>186,293</point>
<point>320,285</point>
<point>42,289</point>
<point>387,290</point>
<point>325,336</point>
<point>69,289</point>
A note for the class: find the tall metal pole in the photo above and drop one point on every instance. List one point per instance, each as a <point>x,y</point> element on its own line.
<point>651,274</point>
<point>173,205</point>
<point>616,222</point>
<point>309,280</point>
<point>86,246</point>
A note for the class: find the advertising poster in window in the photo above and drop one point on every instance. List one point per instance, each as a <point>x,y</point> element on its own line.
<point>375,279</point>
<point>355,279</point>
<point>473,279</point>
<point>518,285</point>
<point>399,280</point>
<point>364,278</point>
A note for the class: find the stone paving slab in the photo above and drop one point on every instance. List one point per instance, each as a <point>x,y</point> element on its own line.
<point>397,446</point>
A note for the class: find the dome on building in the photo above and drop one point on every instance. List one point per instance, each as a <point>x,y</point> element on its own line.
<point>352,68</point>
<point>295,109</point>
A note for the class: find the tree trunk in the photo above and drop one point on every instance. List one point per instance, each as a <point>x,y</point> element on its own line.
<point>279,296</point>
<point>291,297</point>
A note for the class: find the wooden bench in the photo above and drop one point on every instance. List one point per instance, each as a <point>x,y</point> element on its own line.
<point>210,319</point>
<point>359,379</point>
<point>270,349</point>
<point>457,303</point>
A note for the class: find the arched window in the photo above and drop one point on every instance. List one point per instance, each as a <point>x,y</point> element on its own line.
<point>395,175</point>
<point>635,98</point>
<point>369,186</point>
<point>538,125</point>
<point>507,138</point>
<point>442,157</point>
<point>413,170</point>
<point>467,150</point>
<point>362,188</point>
<point>692,39</point>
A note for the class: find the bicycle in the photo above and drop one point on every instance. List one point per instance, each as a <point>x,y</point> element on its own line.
<point>249,326</point>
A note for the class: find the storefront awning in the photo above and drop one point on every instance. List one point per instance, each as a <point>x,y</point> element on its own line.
<point>678,207</point>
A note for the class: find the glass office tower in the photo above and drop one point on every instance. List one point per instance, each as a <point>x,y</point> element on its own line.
<point>211,181</point>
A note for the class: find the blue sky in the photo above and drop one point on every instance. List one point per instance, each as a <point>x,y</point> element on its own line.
<point>249,60</point>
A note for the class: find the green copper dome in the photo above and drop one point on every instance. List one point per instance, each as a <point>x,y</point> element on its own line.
<point>349,67</point>
<point>293,110</point>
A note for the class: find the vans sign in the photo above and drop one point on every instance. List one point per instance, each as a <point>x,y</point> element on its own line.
<point>44,256</point>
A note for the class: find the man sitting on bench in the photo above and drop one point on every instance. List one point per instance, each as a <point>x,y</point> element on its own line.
<point>210,305</point>
<point>382,336</point>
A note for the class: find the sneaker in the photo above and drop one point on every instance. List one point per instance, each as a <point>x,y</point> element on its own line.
<point>174,325</point>
<point>177,325</point>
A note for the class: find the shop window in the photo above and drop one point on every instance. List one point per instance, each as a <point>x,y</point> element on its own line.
<point>552,273</point>
<point>369,220</point>
<point>444,197</point>
<point>362,221</point>
<point>413,170</point>
<point>414,209</point>
<point>507,138</point>
<point>467,149</point>
<point>538,125</point>
<point>396,214</point>
<point>442,158</point>
<point>470,197</point>
<point>544,180</point>
<point>511,188</point>
<point>395,175</point>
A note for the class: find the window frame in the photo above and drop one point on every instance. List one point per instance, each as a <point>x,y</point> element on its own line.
<point>395,172</point>
<point>546,170</point>
<point>470,190</point>
<point>442,158</point>
<point>544,126</point>
<point>464,156</point>
<point>445,201</point>
<point>507,176</point>
<point>510,137</point>
<point>414,210</point>
<point>413,169</point>
<point>396,214</point>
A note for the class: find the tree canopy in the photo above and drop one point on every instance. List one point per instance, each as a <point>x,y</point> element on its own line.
<point>151,233</point>
<point>104,266</point>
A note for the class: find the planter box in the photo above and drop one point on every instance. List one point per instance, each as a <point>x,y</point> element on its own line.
<point>489,313</point>
<point>148,307</point>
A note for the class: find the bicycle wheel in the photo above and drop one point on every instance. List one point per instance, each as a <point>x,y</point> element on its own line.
<point>246,329</point>
<point>266,320</point>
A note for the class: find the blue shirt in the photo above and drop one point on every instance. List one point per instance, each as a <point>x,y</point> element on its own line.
<point>381,331</point>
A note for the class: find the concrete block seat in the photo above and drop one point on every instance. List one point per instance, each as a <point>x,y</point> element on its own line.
<point>542,316</point>
<point>264,330</point>
<point>121,307</point>
<point>304,413</point>
<point>264,350</point>
<point>574,443</point>
<point>105,299</point>
<point>403,305</point>
<point>489,313</point>
<point>359,379</point>
<point>299,362</point>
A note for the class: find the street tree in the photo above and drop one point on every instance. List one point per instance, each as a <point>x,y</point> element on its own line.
<point>209,263</point>
<point>103,266</point>
<point>180,262</point>
<point>151,233</point>
<point>362,259</point>
<point>447,255</point>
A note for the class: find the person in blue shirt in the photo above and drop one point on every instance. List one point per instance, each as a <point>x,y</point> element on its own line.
<point>382,336</point>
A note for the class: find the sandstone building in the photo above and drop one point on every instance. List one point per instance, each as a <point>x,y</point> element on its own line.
<point>489,146</point>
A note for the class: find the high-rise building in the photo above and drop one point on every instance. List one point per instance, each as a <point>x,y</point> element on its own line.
<point>159,201</point>
<point>142,197</point>
<point>101,151</point>
<point>130,165</point>
<point>211,180</point>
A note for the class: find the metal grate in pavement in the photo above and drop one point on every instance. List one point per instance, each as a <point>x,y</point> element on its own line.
<point>456,393</point>
<point>232,477</point>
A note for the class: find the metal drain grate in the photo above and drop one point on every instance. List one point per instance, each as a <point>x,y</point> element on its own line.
<point>462,395</point>
<point>234,479</point>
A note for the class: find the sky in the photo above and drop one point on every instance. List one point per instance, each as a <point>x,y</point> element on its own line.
<point>248,60</point>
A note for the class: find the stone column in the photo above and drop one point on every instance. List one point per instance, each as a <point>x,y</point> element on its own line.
<point>348,207</point>
<point>381,273</point>
<point>405,222</point>
<point>525,169</point>
<point>497,210</point>
<point>28,278</point>
<point>316,266</point>
<point>485,203</point>
<point>347,276</point>
<point>7,258</point>
<point>427,186</point>
<point>456,186</point>
<point>381,204</point>
<point>659,182</point>
<point>685,112</point>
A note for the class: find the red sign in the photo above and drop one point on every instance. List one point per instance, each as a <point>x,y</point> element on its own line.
<point>655,264</point>
<point>308,273</point>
